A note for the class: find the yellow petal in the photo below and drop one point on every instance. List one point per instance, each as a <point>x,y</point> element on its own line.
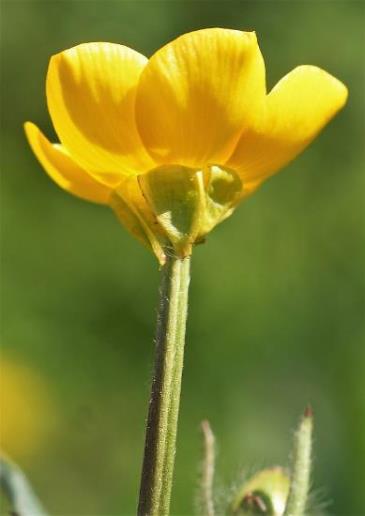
<point>249,188</point>
<point>63,170</point>
<point>298,107</point>
<point>91,98</point>
<point>196,95</point>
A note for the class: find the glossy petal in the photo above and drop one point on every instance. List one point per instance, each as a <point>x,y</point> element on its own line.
<point>91,98</point>
<point>63,170</point>
<point>298,107</point>
<point>250,188</point>
<point>197,94</point>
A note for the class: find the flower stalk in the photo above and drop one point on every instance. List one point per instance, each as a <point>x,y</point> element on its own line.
<point>161,430</point>
<point>301,467</point>
<point>207,471</point>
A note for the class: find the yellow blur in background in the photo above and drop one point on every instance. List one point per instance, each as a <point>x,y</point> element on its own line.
<point>27,414</point>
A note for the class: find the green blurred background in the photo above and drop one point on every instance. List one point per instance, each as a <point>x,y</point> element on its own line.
<point>277,298</point>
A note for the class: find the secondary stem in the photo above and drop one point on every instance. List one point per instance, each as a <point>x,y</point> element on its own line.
<point>207,474</point>
<point>160,444</point>
<point>301,467</point>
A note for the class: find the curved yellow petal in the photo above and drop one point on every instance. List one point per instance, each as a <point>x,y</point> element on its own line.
<point>91,99</point>
<point>249,188</point>
<point>63,170</point>
<point>197,94</point>
<point>297,108</point>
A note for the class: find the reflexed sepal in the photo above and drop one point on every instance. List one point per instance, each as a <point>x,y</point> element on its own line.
<point>223,189</point>
<point>188,203</point>
<point>264,493</point>
<point>175,195</point>
<point>136,216</point>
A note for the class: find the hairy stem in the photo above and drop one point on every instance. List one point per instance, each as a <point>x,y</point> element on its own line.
<point>301,467</point>
<point>207,472</point>
<point>161,430</point>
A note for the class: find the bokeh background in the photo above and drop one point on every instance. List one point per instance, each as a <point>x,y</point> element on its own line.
<point>277,298</point>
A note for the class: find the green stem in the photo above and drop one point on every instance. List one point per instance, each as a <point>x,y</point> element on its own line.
<point>207,473</point>
<point>301,467</point>
<point>160,444</point>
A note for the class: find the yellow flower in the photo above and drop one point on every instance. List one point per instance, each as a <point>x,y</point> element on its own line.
<point>174,143</point>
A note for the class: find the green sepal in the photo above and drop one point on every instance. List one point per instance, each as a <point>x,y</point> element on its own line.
<point>128,204</point>
<point>223,189</point>
<point>189,203</point>
<point>176,196</point>
<point>128,218</point>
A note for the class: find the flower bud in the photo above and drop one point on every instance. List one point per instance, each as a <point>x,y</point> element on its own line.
<point>264,493</point>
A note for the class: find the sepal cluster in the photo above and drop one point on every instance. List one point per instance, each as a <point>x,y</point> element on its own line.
<point>173,207</point>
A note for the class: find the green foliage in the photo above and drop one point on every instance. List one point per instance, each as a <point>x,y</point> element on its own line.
<point>276,311</point>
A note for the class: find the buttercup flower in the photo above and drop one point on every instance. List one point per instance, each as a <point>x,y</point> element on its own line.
<point>175,142</point>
